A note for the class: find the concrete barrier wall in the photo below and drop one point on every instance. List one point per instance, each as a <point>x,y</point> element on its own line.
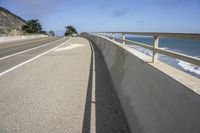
<point>153,101</point>
<point>15,38</point>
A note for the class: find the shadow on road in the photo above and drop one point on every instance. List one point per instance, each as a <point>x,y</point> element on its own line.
<point>109,115</point>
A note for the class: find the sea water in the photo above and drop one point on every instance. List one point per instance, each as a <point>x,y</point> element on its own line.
<point>184,46</point>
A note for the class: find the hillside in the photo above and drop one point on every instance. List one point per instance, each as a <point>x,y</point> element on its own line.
<point>10,24</point>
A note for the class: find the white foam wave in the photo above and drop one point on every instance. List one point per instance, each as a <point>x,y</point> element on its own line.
<point>189,67</point>
<point>165,48</point>
<point>143,50</point>
<point>184,65</point>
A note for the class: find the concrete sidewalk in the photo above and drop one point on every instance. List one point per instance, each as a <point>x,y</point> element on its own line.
<point>67,90</point>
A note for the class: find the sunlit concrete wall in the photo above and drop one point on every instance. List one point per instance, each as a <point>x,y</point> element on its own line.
<point>15,38</point>
<point>153,102</point>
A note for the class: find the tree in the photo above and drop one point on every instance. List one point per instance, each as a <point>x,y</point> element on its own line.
<point>52,33</point>
<point>70,30</point>
<point>33,26</point>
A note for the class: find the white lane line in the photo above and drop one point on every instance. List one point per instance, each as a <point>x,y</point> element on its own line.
<point>69,47</point>
<point>5,57</point>
<point>21,64</point>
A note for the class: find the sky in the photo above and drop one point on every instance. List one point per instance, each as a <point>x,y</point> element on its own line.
<point>110,15</point>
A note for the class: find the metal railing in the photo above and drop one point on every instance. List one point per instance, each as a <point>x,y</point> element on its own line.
<point>155,48</point>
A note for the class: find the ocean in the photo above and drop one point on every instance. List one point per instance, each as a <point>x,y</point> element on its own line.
<point>184,46</point>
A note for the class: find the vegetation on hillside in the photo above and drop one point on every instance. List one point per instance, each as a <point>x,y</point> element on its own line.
<point>5,11</point>
<point>33,26</point>
<point>70,30</point>
<point>10,24</point>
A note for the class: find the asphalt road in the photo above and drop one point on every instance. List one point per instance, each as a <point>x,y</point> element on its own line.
<point>60,87</point>
<point>14,53</point>
<point>14,47</point>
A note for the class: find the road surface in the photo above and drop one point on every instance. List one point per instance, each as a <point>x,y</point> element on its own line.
<point>12,54</point>
<point>57,85</point>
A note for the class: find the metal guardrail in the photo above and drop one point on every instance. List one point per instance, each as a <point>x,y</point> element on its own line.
<point>155,48</point>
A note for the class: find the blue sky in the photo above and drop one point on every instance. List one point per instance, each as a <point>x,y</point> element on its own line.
<point>111,15</point>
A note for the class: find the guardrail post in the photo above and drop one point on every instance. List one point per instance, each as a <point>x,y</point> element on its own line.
<point>155,45</point>
<point>113,35</point>
<point>123,37</point>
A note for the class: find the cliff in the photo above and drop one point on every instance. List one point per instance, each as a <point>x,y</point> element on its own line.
<point>10,24</point>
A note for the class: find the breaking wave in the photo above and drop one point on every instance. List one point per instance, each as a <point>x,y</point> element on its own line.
<point>187,67</point>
